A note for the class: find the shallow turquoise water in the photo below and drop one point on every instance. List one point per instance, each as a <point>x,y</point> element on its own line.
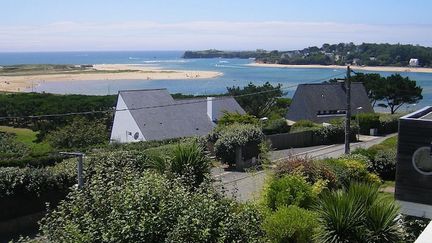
<point>235,71</point>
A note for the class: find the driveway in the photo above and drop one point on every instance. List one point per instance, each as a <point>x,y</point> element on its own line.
<point>245,186</point>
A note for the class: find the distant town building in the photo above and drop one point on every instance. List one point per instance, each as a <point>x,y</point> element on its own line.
<point>413,188</point>
<point>356,61</point>
<point>153,114</point>
<point>414,62</point>
<point>324,102</point>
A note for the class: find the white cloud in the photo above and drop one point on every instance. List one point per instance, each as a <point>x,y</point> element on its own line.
<point>63,36</point>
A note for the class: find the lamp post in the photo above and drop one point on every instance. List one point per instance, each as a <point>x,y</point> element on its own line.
<point>80,157</point>
<point>262,121</point>
<point>358,109</point>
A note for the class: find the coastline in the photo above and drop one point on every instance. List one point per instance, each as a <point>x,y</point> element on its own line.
<point>20,83</point>
<point>377,68</point>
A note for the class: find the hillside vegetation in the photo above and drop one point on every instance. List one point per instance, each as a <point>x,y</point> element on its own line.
<point>369,54</point>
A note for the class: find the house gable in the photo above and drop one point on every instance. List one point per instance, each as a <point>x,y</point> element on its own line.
<point>125,129</point>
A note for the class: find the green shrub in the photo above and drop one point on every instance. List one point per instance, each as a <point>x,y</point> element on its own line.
<point>39,161</point>
<point>388,123</point>
<point>334,134</point>
<point>369,153</point>
<point>357,214</point>
<point>227,139</point>
<point>351,169</point>
<point>312,170</point>
<point>148,207</point>
<point>276,126</point>
<point>290,224</point>
<point>29,181</point>
<point>229,118</point>
<point>384,164</point>
<point>10,148</point>
<point>139,146</point>
<point>80,133</point>
<point>304,125</point>
<point>288,190</point>
<point>366,121</point>
<point>357,157</point>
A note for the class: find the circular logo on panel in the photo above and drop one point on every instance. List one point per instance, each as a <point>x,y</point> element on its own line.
<point>422,160</point>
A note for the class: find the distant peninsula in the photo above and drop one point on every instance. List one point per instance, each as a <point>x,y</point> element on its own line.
<point>366,54</point>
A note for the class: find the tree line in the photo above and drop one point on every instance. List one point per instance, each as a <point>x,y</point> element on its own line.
<point>390,92</point>
<point>368,54</point>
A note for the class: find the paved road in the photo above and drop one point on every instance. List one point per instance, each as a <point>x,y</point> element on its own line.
<point>246,186</point>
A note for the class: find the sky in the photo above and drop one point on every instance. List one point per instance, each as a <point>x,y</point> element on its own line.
<point>96,25</point>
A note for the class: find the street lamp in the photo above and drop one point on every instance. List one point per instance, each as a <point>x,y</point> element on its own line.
<point>80,157</point>
<point>358,109</point>
<point>262,121</point>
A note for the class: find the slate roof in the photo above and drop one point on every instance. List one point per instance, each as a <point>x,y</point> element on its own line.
<point>220,105</point>
<point>177,118</point>
<point>428,116</point>
<point>311,99</point>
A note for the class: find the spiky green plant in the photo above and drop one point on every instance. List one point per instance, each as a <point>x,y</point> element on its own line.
<point>190,162</point>
<point>340,218</point>
<point>381,222</point>
<point>357,214</point>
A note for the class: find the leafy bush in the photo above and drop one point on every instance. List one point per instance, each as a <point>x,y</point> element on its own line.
<point>276,126</point>
<point>369,153</point>
<point>147,207</point>
<point>304,125</point>
<point>334,134</point>
<point>227,139</point>
<point>139,146</point>
<point>357,214</point>
<point>312,170</point>
<point>351,169</point>
<point>388,123</point>
<point>288,190</point>
<point>39,161</point>
<point>290,224</point>
<point>229,118</point>
<point>9,148</point>
<point>81,133</point>
<point>384,164</point>
<point>381,158</point>
<point>366,121</point>
<point>357,157</point>
<point>36,181</point>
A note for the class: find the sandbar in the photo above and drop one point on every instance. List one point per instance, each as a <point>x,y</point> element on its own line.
<point>19,83</point>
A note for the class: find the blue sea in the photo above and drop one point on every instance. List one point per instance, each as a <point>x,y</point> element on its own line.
<point>235,73</point>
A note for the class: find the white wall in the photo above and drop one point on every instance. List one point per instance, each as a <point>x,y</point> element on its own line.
<point>124,124</point>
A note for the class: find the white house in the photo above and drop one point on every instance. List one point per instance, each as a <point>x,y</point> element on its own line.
<point>152,114</point>
<point>414,62</point>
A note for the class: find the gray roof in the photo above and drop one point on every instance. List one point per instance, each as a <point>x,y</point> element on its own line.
<point>427,116</point>
<point>310,99</point>
<point>220,105</point>
<point>176,118</point>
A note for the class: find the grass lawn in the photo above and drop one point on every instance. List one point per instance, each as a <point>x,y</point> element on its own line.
<point>28,137</point>
<point>390,142</point>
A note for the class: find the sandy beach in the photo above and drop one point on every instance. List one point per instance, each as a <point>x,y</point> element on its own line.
<point>358,68</point>
<point>119,72</point>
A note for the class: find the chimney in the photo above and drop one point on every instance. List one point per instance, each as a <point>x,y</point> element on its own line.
<point>210,108</point>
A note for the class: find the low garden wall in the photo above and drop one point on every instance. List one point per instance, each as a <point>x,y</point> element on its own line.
<point>293,140</point>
